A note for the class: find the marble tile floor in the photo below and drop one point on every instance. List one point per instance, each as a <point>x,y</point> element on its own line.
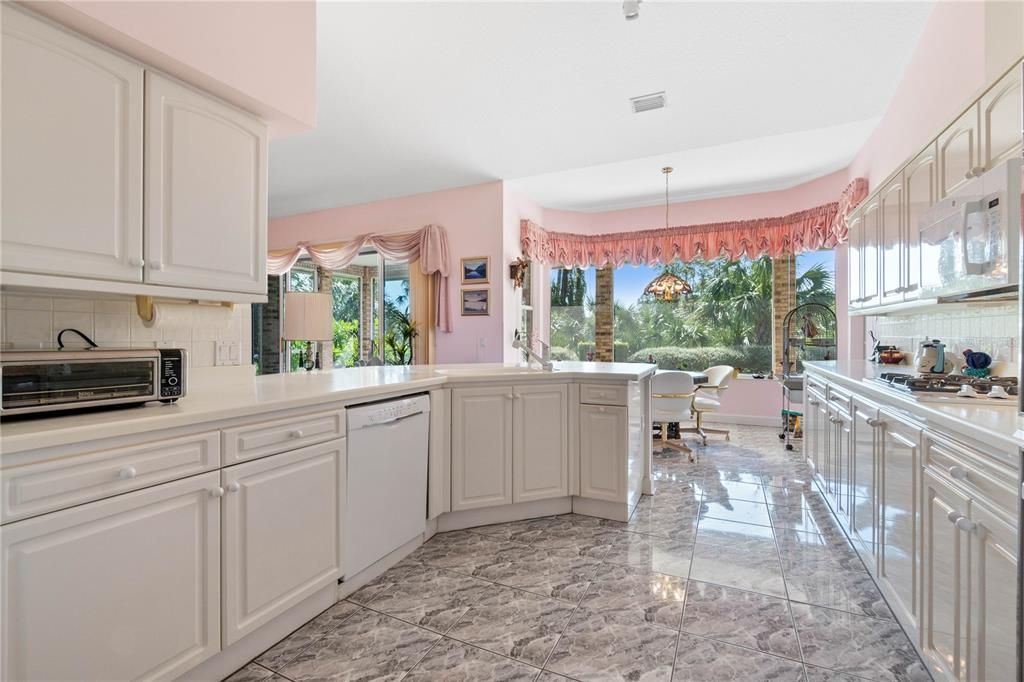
<point>734,570</point>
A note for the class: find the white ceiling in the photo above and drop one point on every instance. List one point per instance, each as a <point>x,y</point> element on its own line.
<point>415,97</point>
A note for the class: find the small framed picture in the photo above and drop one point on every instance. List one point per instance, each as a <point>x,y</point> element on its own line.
<point>476,302</point>
<point>476,270</point>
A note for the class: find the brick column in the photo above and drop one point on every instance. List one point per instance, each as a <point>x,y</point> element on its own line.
<point>604,323</point>
<point>783,300</point>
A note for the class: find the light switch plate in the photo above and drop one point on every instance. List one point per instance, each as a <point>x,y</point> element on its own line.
<point>227,353</point>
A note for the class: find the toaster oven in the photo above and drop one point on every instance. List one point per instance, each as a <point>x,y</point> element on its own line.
<point>39,381</point>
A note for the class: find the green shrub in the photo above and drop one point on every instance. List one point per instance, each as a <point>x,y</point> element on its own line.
<point>744,358</point>
<point>560,354</point>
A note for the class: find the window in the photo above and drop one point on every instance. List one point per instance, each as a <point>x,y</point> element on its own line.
<point>726,320</point>
<point>572,313</point>
<point>345,292</point>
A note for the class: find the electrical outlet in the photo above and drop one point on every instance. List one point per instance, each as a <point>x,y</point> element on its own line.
<point>227,353</point>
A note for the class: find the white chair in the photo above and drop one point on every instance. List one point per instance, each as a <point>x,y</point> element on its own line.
<point>709,399</point>
<point>671,401</point>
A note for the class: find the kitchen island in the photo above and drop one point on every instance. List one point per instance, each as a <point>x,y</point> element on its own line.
<point>927,491</point>
<point>225,512</point>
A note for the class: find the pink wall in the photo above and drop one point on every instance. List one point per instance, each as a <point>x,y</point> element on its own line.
<point>515,207</point>
<point>946,71</point>
<point>259,55</point>
<point>472,217</point>
<point>762,205</point>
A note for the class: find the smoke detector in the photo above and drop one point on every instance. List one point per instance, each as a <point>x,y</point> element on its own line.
<point>655,100</point>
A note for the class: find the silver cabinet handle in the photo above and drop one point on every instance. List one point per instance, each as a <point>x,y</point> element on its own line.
<point>234,487</point>
<point>875,423</point>
<point>964,523</point>
<point>136,262</point>
<point>978,170</point>
<point>813,403</point>
<point>217,492</point>
<point>156,265</point>
<point>959,473</point>
<point>127,472</point>
<point>509,396</point>
<point>297,433</point>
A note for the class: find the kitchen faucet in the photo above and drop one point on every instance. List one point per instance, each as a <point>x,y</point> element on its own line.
<point>545,356</point>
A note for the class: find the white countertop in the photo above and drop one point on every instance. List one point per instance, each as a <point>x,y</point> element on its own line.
<point>228,393</point>
<point>996,424</point>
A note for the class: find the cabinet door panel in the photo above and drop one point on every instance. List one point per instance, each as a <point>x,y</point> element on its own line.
<point>900,510</point>
<point>855,274</point>
<point>481,447</point>
<point>813,430</point>
<point>892,236</point>
<point>918,197</point>
<point>540,453</point>
<point>958,153</point>
<point>870,254</point>
<point>863,476</point>
<point>993,597</point>
<point>123,588</point>
<point>603,452</point>
<point>71,154</point>
<point>1001,120</point>
<point>206,191</point>
<point>944,577</point>
<point>281,533</point>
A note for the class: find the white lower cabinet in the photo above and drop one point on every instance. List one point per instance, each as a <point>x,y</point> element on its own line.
<point>944,576</point>
<point>282,541</point>
<point>863,488</point>
<point>481,447</point>
<point>540,442</point>
<point>118,589</point>
<point>604,452</point>
<point>899,474</point>
<point>992,645</point>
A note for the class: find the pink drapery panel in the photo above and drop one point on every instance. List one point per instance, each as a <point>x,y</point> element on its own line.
<point>814,228</point>
<point>429,245</point>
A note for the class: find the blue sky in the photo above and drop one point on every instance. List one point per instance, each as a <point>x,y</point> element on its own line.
<point>630,281</point>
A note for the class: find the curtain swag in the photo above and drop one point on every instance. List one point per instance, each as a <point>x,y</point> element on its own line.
<point>429,245</point>
<point>814,228</point>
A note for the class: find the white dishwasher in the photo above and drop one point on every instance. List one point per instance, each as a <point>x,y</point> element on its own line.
<point>387,478</point>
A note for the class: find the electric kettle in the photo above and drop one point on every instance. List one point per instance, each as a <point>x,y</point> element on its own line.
<point>930,357</point>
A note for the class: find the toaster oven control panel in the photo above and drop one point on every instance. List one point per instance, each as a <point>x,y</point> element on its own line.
<point>172,374</point>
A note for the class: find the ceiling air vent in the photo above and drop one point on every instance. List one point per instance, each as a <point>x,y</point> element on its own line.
<point>655,100</point>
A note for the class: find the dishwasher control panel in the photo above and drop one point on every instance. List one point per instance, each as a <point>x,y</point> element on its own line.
<point>373,414</point>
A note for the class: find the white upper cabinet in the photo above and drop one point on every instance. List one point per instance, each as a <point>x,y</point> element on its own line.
<point>893,239</point>
<point>71,154</point>
<point>869,253</point>
<point>1001,120</point>
<point>206,191</point>
<point>919,193</point>
<point>958,153</point>
<point>540,442</point>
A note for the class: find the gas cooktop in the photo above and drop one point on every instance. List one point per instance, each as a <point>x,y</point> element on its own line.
<point>948,386</point>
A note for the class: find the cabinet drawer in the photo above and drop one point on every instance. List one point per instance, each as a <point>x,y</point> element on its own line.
<point>47,486</point>
<point>839,398</point>
<point>816,384</point>
<point>973,472</point>
<point>601,394</point>
<point>269,438</point>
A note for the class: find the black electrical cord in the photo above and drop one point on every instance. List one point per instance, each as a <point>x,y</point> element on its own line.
<point>60,342</point>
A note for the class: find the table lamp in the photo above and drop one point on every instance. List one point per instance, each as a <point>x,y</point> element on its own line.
<point>308,317</point>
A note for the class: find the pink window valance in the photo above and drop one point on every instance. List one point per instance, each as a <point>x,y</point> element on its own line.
<point>814,228</point>
<point>429,245</point>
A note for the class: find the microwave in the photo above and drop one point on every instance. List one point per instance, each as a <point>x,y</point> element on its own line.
<point>41,381</point>
<point>970,240</point>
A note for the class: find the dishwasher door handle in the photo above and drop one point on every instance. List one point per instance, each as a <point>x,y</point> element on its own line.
<point>394,420</point>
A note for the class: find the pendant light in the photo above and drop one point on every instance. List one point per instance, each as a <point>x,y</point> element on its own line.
<point>667,286</point>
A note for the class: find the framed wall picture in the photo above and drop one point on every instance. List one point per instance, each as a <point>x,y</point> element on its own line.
<point>476,302</point>
<point>476,270</point>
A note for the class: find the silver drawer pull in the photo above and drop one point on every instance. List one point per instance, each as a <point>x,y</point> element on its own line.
<point>959,473</point>
<point>875,423</point>
<point>964,523</point>
<point>234,487</point>
<point>297,433</point>
<point>217,492</point>
<point>127,472</point>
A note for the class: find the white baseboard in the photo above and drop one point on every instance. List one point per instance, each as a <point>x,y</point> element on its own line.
<point>743,420</point>
<point>616,511</point>
<point>457,520</point>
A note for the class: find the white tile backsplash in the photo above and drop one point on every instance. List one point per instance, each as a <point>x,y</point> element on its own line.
<point>32,320</point>
<point>991,328</point>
